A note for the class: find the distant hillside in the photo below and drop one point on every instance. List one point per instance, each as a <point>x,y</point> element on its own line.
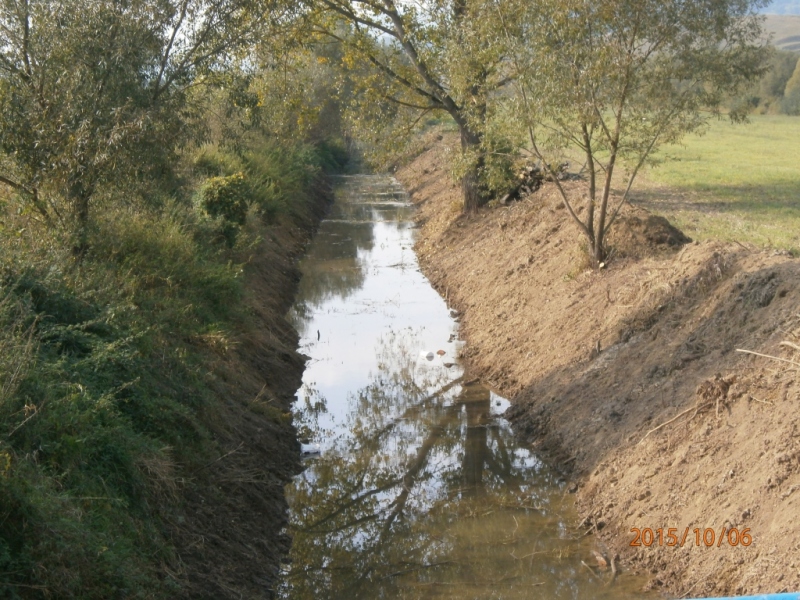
<point>783,7</point>
<point>785,29</point>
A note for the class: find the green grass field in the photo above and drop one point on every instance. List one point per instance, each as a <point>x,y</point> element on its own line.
<point>735,182</point>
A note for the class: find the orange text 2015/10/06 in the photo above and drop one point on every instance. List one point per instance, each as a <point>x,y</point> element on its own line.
<point>705,537</point>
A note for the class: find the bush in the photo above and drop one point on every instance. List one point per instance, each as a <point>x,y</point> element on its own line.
<point>333,155</point>
<point>102,376</point>
<point>275,179</point>
<point>73,504</point>
<point>282,178</point>
<point>227,199</point>
<point>211,161</point>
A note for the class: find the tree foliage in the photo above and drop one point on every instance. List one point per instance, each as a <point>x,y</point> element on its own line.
<point>767,95</point>
<point>614,80</point>
<point>407,60</point>
<point>791,94</point>
<point>226,198</point>
<point>93,92</point>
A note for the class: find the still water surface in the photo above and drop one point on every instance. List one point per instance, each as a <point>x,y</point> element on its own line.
<point>419,489</point>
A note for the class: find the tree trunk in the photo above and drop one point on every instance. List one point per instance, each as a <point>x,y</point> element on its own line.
<point>475,446</point>
<point>598,254</point>
<point>79,196</point>
<point>474,196</point>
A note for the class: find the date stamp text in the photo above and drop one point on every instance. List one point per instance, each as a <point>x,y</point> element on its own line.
<point>706,537</point>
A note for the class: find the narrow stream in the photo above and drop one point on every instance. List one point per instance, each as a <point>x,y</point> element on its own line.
<point>415,486</point>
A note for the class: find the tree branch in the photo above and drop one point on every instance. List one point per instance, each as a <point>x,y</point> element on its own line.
<point>635,172</point>
<point>356,19</point>
<point>409,105</point>
<point>168,49</point>
<point>13,184</point>
<point>386,69</point>
<point>419,65</point>
<point>357,500</point>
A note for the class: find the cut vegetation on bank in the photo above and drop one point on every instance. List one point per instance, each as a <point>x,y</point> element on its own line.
<point>629,376</point>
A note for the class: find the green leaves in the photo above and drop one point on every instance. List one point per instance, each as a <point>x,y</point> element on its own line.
<point>94,94</point>
<point>226,198</point>
<point>405,61</point>
<point>614,80</point>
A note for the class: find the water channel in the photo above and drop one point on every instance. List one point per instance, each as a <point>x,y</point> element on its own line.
<point>415,486</point>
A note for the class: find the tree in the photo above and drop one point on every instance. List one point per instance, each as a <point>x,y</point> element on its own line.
<point>613,80</point>
<point>94,91</point>
<point>295,85</point>
<point>782,66</point>
<point>416,58</point>
<point>791,94</point>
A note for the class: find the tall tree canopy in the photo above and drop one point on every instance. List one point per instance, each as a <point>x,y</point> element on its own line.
<point>411,59</point>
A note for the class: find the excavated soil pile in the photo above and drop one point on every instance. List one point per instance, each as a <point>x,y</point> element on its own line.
<point>629,378</point>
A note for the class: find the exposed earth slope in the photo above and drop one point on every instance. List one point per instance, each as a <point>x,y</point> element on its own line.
<point>629,379</point>
<point>227,527</point>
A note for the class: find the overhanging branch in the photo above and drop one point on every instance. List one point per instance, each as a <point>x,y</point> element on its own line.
<point>356,19</point>
<point>436,103</point>
<point>14,185</point>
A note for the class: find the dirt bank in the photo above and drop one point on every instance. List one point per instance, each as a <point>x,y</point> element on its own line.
<point>629,378</point>
<point>227,530</point>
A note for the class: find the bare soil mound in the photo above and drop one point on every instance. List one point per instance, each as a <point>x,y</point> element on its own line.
<point>629,377</point>
<point>640,235</point>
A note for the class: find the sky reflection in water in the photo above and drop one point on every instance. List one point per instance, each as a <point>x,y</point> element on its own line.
<point>420,490</point>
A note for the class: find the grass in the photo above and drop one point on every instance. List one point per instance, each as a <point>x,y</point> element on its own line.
<point>104,377</point>
<point>735,183</point>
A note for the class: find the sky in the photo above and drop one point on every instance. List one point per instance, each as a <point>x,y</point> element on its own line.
<point>783,7</point>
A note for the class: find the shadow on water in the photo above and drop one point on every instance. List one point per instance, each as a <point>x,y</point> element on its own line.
<point>420,490</point>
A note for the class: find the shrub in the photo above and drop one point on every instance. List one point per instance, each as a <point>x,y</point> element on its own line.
<point>333,155</point>
<point>100,376</point>
<point>227,199</point>
<point>212,161</point>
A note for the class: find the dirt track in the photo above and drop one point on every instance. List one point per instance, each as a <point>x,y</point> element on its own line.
<point>629,378</point>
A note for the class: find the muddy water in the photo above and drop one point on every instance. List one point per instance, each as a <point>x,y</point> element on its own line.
<point>419,489</point>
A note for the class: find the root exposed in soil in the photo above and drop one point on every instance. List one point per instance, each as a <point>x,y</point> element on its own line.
<point>628,377</point>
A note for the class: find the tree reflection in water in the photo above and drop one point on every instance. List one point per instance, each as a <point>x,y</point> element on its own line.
<point>334,268</point>
<point>419,492</point>
<point>423,494</point>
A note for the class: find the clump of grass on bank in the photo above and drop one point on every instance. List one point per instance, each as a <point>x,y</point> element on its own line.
<point>103,365</point>
<point>736,183</point>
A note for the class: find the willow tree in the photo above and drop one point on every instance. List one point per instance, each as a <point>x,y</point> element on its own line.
<point>94,91</point>
<point>614,80</point>
<point>412,59</point>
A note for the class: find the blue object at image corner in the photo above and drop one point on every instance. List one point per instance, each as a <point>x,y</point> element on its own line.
<point>790,596</point>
